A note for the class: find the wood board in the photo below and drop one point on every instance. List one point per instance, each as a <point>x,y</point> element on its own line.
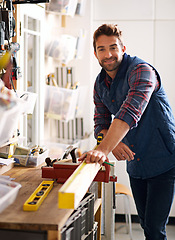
<point>74,189</point>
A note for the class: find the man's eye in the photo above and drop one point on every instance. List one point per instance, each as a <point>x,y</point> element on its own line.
<point>101,50</point>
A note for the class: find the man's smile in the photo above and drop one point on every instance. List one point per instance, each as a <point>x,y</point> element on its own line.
<point>109,61</point>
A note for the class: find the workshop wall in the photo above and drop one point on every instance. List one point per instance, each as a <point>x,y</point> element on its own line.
<point>148,33</point>
<point>56,26</point>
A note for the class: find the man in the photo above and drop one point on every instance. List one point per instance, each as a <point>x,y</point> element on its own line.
<point>142,129</point>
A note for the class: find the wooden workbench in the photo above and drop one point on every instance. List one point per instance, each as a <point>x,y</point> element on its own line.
<point>47,221</point>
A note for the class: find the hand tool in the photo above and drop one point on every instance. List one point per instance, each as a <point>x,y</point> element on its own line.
<point>57,169</point>
<point>70,174</point>
<point>61,171</point>
<point>70,150</point>
<point>50,162</point>
<point>38,196</point>
<point>99,139</point>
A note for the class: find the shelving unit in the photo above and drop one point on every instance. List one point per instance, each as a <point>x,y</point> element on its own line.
<point>80,127</point>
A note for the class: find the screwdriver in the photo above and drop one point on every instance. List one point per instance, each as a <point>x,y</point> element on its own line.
<point>99,139</point>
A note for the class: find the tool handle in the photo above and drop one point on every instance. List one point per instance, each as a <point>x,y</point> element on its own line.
<point>99,138</point>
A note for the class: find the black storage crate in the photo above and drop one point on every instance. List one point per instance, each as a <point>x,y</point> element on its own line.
<point>94,189</point>
<point>71,230</point>
<point>81,222</point>
<point>87,203</point>
<point>92,235</point>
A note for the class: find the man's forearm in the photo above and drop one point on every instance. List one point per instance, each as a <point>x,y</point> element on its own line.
<point>113,136</point>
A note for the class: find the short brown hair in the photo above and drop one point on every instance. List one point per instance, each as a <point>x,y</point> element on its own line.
<point>108,30</point>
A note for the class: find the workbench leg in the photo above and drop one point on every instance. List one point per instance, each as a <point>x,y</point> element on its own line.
<point>100,190</point>
<point>109,212</point>
<point>99,212</point>
<point>53,235</point>
<point>98,219</point>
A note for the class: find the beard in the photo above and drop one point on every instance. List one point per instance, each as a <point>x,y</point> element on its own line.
<point>110,64</point>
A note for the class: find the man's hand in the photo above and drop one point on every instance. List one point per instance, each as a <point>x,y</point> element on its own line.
<point>123,152</point>
<point>93,156</point>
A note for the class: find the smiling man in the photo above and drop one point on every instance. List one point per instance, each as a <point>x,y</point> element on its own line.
<point>133,113</point>
<point>109,53</point>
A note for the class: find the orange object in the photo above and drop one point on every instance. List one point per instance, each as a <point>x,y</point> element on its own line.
<point>122,189</point>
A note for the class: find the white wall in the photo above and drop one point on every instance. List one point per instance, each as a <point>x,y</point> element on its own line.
<point>148,30</point>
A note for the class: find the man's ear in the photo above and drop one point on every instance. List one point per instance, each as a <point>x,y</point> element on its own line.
<point>124,49</point>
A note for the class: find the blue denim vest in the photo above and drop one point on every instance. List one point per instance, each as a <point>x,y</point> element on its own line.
<point>153,140</point>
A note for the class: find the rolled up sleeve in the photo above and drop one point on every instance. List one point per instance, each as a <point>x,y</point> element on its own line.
<point>142,82</point>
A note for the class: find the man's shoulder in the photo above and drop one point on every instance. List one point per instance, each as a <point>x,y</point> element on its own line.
<point>101,75</point>
<point>135,62</point>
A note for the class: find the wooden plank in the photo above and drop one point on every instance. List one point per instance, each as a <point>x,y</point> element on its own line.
<point>73,190</point>
<point>99,189</point>
<point>98,219</point>
<point>98,212</point>
<point>97,204</point>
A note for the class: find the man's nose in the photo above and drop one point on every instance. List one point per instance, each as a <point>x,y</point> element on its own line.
<point>108,54</point>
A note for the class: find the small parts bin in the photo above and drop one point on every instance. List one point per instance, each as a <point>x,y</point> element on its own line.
<point>8,192</point>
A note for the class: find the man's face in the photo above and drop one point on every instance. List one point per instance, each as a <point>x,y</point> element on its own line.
<point>109,53</point>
